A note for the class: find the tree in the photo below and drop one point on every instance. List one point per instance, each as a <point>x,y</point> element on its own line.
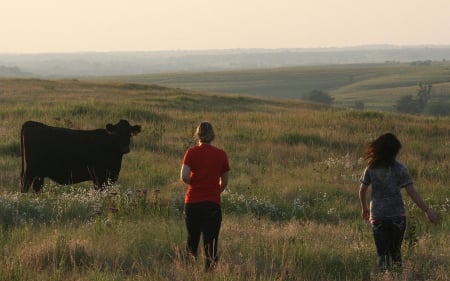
<point>423,95</point>
<point>319,96</point>
<point>409,104</point>
<point>358,104</point>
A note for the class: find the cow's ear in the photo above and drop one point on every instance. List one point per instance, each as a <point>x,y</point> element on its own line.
<point>136,130</point>
<point>110,128</point>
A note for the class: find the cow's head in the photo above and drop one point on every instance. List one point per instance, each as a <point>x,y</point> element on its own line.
<point>124,131</point>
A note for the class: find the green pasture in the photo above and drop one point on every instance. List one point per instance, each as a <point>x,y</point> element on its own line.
<point>379,86</point>
<point>291,211</point>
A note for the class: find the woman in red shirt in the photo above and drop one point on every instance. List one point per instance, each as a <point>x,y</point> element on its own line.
<point>205,170</point>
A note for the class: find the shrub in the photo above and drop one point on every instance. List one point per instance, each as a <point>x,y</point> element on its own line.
<point>319,96</point>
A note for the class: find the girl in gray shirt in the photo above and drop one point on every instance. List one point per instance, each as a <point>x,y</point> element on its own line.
<point>387,213</point>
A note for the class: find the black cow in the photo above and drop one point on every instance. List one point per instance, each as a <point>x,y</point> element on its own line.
<point>71,156</point>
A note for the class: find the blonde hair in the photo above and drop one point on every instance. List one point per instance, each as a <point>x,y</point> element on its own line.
<point>204,132</point>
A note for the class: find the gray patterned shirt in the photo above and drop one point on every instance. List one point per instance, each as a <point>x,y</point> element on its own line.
<point>386,184</point>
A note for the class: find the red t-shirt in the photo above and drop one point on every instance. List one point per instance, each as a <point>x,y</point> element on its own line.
<point>207,164</point>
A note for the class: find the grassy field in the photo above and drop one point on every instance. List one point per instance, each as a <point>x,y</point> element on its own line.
<point>379,86</point>
<point>291,211</point>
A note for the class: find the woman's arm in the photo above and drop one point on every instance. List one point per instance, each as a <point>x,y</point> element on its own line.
<point>365,212</point>
<point>223,181</point>
<point>420,203</point>
<point>185,174</point>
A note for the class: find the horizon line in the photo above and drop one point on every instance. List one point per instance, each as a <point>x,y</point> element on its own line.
<point>367,46</point>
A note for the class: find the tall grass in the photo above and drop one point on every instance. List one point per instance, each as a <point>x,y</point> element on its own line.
<point>291,211</point>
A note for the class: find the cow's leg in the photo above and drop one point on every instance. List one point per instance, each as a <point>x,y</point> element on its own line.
<point>25,185</point>
<point>100,183</point>
<point>38,182</point>
<point>26,181</point>
<point>100,179</point>
<point>93,173</point>
<point>95,182</point>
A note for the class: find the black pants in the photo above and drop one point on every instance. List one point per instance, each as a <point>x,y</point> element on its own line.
<point>388,236</point>
<point>203,218</point>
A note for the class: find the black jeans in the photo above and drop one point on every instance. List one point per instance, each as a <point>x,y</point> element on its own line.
<point>388,235</point>
<point>203,218</point>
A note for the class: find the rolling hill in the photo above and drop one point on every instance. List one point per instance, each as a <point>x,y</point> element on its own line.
<point>379,86</point>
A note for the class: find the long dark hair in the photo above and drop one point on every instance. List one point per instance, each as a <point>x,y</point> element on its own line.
<point>205,132</point>
<point>382,151</point>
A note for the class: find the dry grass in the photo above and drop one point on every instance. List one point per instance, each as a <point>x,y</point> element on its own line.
<point>291,211</point>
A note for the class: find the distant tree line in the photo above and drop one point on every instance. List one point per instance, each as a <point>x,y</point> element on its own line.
<point>421,103</point>
<point>7,71</point>
<point>420,62</point>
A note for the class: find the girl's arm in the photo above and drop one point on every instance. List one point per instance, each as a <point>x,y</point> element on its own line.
<point>420,203</point>
<point>185,174</point>
<point>365,212</point>
<point>223,181</point>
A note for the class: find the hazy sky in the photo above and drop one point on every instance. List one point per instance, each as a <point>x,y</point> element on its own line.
<point>30,26</point>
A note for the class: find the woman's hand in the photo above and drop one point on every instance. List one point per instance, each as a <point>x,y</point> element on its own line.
<point>432,217</point>
<point>365,213</point>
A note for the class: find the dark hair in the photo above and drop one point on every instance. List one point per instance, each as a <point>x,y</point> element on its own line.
<point>383,151</point>
<point>205,132</point>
